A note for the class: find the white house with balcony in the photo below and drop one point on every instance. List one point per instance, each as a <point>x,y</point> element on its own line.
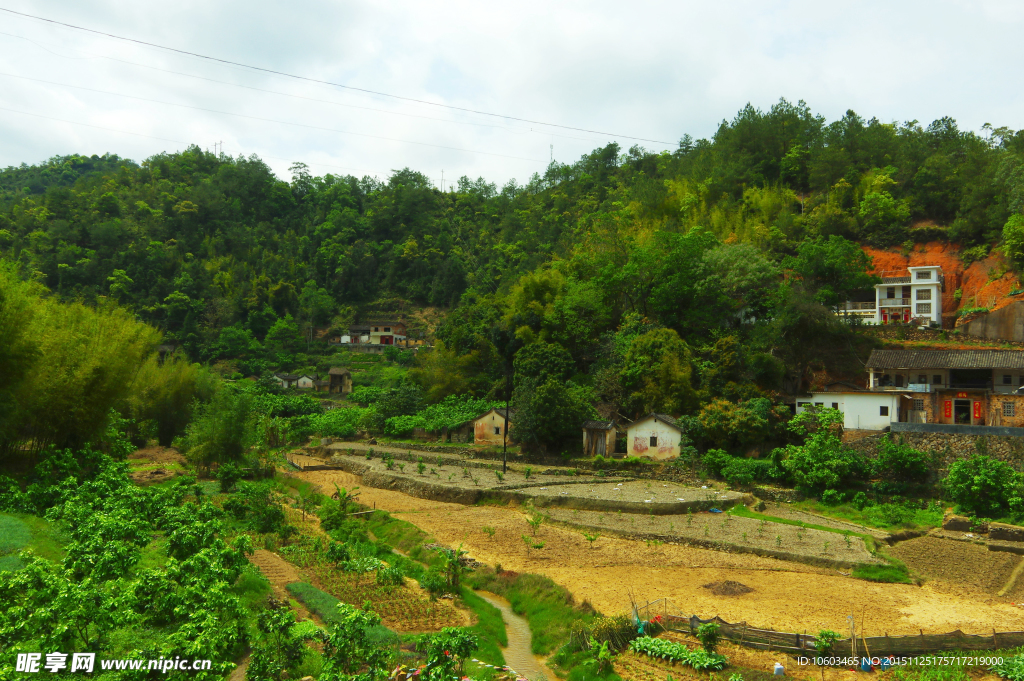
<point>914,297</point>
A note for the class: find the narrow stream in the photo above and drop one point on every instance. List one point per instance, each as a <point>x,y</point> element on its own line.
<point>518,655</point>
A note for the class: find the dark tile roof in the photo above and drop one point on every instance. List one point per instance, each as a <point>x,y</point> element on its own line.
<point>895,280</point>
<point>598,425</point>
<point>664,418</point>
<point>339,371</point>
<point>359,328</point>
<point>499,412</point>
<point>287,377</point>
<point>946,359</point>
<point>841,387</point>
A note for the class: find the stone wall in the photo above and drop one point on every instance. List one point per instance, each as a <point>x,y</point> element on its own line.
<point>947,448</point>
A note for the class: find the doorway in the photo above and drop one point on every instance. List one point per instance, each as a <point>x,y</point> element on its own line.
<point>962,412</point>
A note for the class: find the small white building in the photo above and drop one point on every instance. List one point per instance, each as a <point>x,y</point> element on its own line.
<point>656,436</point>
<point>862,409</point>
<point>912,297</point>
<point>307,381</point>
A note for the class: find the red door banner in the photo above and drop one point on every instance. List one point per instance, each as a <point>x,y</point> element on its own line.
<point>977,410</point>
<point>947,409</point>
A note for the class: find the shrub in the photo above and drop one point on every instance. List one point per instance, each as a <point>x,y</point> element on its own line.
<point>901,462</point>
<point>984,486</point>
<point>708,635</point>
<point>832,497</point>
<point>715,460</point>
<point>823,461</point>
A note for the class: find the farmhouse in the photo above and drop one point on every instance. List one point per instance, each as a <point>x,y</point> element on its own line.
<point>306,381</point>
<point>340,380</point>
<point>491,428</point>
<point>913,295</point>
<point>286,380</point>
<point>951,387</point>
<point>386,332</point>
<point>656,436</point>
<point>598,438</point>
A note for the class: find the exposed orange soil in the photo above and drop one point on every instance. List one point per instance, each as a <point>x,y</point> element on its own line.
<point>977,289</point>
<point>786,595</point>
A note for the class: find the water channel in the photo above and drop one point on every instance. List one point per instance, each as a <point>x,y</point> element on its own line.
<point>518,655</point>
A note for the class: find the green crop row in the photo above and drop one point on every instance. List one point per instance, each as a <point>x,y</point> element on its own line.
<point>669,651</point>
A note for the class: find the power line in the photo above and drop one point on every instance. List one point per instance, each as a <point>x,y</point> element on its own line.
<point>326,82</point>
<point>207,79</point>
<point>265,120</point>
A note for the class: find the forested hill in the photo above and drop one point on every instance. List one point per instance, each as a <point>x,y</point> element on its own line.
<point>215,250</point>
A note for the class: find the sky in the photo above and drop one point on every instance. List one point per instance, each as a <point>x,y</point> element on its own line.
<point>492,90</point>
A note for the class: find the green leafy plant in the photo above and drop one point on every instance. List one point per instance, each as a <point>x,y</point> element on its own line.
<point>489,531</point>
<point>535,521</point>
<point>591,538</point>
<point>708,634</point>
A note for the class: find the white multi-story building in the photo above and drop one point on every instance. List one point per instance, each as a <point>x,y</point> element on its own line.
<point>913,297</point>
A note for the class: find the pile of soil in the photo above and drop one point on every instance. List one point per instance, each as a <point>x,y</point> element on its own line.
<point>728,588</point>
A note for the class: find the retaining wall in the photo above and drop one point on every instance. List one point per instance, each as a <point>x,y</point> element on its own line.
<point>949,447</point>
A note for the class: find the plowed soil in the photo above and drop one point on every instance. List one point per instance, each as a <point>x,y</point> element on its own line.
<point>786,596</point>
<point>960,565</point>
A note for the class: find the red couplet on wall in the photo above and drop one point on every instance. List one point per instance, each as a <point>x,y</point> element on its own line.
<point>947,409</point>
<point>977,410</point>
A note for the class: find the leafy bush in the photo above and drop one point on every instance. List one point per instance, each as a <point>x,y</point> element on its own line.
<point>983,486</point>
<point>823,461</point>
<point>832,497</point>
<point>899,461</point>
<point>708,635</point>
<point>254,504</point>
<point>883,573</point>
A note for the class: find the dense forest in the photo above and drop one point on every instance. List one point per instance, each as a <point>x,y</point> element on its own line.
<point>683,282</point>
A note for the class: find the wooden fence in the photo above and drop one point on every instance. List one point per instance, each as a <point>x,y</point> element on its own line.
<point>803,644</point>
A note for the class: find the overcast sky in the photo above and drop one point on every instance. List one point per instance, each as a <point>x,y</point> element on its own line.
<point>621,70</point>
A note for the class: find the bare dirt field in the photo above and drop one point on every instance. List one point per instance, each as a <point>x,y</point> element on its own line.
<point>729,532</point>
<point>959,565</point>
<point>437,479</point>
<point>150,465</point>
<point>784,595</point>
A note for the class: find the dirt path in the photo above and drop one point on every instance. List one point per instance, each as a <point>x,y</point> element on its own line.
<point>785,596</point>
<point>280,572</point>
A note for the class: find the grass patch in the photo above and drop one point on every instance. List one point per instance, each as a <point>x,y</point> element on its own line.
<point>890,517</point>
<point>883,573</point>
<point>154,555</point>
<point>744,512</point>
<point>548,608</point>
<point>20,531</point>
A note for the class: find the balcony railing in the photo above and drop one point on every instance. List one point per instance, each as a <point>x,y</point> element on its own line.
<point>971,385</point>
<point>857,306</point>
<point>894,302</point>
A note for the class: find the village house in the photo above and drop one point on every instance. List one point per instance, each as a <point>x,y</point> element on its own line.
<point>946,387</point>
<point>913,296</point>
<point>286,380</point>
<point>598,438</point>
<point>306,381</point>
<point>387,332</point>
<point>656,436</point>
<point>340,380</point>
<point>491,428</point>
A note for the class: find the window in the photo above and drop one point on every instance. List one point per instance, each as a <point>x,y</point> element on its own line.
<point>918,405</point>
<point>924,308</point>
<point>1008,409</point>
<point>890,292</point>
<point>497,430</point>
<point>922,378</point>
<point>937,378</point>
<point>924,275</point>
<point>835,405</point>
<point>898,380</point>
<point>1007,379</point>
<point>819,404</point>
<point>654,440</point>
<point>883,411</point>
<point>924,294</point>
<point>387,329</point>
<point>803,405</point>
<point>376,328</point>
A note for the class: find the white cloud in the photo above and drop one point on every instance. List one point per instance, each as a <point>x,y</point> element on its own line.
<point>645,69</point>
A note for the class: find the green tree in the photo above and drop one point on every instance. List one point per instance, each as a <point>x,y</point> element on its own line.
<point>1013,240</point>
<point>656,374</point>
<point>984,487</point>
